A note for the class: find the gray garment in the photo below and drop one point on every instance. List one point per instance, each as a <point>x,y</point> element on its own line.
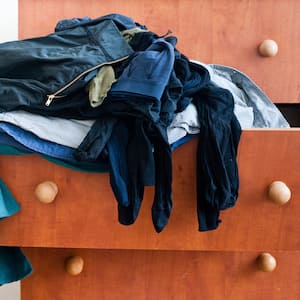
<point>66,132</point>
<point>252,108</point>
<point>185,122</point>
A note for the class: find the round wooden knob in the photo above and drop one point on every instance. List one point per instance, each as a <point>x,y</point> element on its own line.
<point>74,265</point>
<point>46,191</point>
<point>266,262</point>
<point>279,192</point>
<point>268,48</point>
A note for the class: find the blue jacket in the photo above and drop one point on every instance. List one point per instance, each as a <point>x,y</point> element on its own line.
<point>35,72</point>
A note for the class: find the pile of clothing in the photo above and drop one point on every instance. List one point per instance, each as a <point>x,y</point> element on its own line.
<point>126,99</point>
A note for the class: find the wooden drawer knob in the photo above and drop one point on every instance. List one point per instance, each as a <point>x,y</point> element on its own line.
<point>46,191</point>
<point>279,192</point>
<point>266,262</point>
<point>268,48</point>
<point>74,265</point>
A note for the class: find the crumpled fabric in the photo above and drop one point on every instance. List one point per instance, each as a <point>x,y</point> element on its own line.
<point>217,167</point>
<point>129,34</point>
<point>138,150</point>
<point>252,107</point>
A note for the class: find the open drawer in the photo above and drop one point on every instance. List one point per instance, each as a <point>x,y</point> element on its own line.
<point>84,213</point>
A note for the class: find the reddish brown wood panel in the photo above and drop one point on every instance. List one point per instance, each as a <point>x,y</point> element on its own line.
<point>84,215</point>
<point>161,275</point>
<point>212,31</point>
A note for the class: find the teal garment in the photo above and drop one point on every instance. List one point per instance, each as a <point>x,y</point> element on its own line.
<point>8,204</point>
<point>80,166</point>
<point>10,150</point>
<point>14,265</point>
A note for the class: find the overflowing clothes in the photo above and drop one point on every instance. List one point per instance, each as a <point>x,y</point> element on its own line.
<point>127,98</point>
<point>128,85</point>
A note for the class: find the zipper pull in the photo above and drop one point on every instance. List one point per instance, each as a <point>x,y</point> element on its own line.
<point>49,100</point>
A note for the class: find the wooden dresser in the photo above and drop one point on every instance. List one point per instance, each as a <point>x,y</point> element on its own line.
<point>181,263</point>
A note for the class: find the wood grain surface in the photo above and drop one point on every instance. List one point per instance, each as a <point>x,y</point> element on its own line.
<point>134,262</point>
<point>84,214</point>
<point>161,275</point>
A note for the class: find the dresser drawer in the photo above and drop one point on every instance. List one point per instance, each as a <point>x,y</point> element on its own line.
<point>139,275</point>
<point>211,31</point>
<point>239,27</point>
<point>84,213</point>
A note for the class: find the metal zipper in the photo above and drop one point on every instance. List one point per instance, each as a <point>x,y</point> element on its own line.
<point>51,97</point>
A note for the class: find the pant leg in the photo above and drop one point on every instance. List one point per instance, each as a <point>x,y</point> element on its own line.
<point>162,204</point>
<point>217,169</point>
<point>131,167</point>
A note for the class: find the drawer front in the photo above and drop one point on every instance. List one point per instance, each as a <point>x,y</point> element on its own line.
<point>84,213</point>
<point>121,274</point>
<point>212,31</point>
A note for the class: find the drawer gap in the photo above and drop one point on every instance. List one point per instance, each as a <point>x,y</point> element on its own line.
<point>291,111</point>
